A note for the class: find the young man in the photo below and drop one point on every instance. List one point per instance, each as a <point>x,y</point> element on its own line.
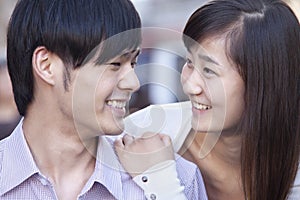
<point>71,65</point>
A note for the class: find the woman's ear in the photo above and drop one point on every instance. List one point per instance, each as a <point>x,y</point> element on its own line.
<point>41,63</point>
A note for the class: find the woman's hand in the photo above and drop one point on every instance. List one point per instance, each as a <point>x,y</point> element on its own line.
<point>139,154</point>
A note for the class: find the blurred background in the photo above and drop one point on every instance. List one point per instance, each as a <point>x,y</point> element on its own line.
<point>159,65</point>
<point>9,116</point>
<point>6,8</point>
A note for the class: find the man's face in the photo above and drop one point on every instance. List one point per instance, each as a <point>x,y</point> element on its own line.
<point>101,93</point>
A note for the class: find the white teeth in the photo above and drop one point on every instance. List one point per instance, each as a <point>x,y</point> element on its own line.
<point>200,106</point>
<point>117,104</point>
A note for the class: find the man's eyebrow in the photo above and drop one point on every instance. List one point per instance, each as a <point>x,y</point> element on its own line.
<point>208,59</point>
<point>138,52</point>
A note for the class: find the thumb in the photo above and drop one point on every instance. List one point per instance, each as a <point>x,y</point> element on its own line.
<point>118,143</point>
<point>166,139</point>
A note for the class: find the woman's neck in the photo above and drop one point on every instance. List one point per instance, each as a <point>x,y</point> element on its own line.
<point>224,147</point>
<point>218,158</point>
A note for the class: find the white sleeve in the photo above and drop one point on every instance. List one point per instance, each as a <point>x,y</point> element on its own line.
<point>160,182</point>
<point>172,119</point>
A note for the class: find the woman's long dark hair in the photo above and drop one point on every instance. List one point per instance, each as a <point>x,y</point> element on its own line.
<point>263,40</point>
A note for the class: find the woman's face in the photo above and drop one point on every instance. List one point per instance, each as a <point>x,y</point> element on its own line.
<point>214,87</point>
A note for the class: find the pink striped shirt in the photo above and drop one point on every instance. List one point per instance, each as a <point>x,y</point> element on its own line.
<point>20,178</point>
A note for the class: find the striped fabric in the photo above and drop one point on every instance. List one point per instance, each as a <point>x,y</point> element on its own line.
<point>20,178</point>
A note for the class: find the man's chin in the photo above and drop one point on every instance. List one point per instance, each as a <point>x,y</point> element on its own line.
<point>114,131</point>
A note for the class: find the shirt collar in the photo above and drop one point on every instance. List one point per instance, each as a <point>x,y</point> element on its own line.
<point>18,164</point>
<point>108,170</point>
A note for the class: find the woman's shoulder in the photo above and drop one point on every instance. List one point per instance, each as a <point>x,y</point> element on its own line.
<point>297,180</point>
<point>295,190</point>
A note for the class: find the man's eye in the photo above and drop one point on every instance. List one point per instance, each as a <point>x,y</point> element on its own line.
<point>189,63</point>
<point>133,64</point>
<point>115,64</point>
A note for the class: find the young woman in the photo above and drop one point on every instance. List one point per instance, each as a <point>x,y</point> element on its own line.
<point>242,79</point>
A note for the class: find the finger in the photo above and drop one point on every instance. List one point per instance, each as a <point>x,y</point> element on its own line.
<point>118,143</point>
<point>148,135</point>
<point>127,139</point>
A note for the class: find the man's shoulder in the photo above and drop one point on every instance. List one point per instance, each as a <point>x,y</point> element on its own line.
<point>2,149</point>
<point>188,172</point>
<point>185,167</point>
<point>191,177</point>
<point>3,145</point>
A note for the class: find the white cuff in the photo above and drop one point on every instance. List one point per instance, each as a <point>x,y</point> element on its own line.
<point>160,182</point>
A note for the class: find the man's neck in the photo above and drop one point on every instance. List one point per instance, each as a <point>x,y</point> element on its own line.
<point>59,152</point>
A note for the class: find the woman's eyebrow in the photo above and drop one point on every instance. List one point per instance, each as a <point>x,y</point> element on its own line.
<point>208,59</point>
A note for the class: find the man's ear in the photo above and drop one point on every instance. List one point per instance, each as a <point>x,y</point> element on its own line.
<point>41,63</point>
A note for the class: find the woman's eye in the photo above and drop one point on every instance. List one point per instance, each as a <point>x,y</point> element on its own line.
<point>208,71</point>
